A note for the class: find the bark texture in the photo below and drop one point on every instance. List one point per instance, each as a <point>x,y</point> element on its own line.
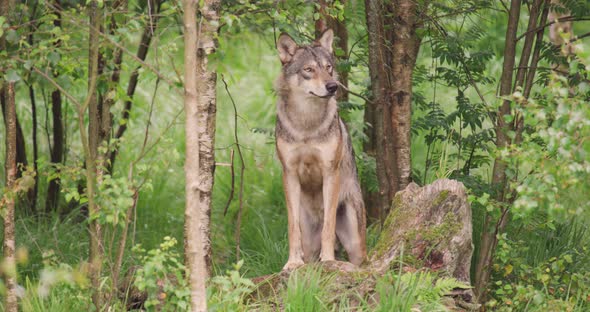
<point>7,201</point>
<point>91,142</point>
<point>35,188</point>
<point>21,158</point>
<point>57,151</point>
<point>200,108</point>
<point>430,226</point>
<point>58,138</point>
<point>9,246</point>
<point>393,48</point>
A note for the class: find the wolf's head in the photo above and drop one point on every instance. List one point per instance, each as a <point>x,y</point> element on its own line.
<point>308,69</point>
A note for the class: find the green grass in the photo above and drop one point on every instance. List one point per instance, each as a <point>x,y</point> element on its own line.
<point>306,291</point>
<point>59,299</point>
<point>50,241</point>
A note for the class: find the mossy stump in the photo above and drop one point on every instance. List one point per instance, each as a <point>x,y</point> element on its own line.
<point>431,226</point>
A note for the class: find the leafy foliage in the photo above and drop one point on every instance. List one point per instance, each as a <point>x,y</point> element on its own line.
<point>227,292</point>
<point>556,154</point>
<point>546,267</point>
<point>408,291</point>
<point>161,275</point>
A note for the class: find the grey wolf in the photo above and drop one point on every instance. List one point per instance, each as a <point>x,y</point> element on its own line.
<point>322,191</point>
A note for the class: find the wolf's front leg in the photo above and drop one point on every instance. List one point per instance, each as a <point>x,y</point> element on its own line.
<point>292,193</point>
<point>331,190</point>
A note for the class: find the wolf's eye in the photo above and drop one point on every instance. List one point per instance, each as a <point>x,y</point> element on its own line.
<point>308,69</point>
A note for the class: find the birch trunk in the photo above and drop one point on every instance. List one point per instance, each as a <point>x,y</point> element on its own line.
<point>9,243</point>
<point>200,107</point>
<point>9,274</point>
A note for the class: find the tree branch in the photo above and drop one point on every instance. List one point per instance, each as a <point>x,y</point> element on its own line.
<point>242,168</point>
<point>570,18</point>
<point>576,38</point>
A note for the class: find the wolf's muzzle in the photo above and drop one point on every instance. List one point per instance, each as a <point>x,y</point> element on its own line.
<point>332,86</point>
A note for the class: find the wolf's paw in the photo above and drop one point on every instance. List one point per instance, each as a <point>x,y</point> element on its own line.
<point>292,265</point>
<point>327,257</point>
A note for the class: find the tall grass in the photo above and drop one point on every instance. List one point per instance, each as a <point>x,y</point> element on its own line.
<point>306,291</point>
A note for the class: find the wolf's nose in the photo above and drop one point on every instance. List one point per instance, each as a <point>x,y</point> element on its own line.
<point>331,87</point>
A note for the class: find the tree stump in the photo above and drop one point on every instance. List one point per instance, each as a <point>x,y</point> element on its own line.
<point>431,224</point>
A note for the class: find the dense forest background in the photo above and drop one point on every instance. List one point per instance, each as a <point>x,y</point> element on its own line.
<point>497,93</point>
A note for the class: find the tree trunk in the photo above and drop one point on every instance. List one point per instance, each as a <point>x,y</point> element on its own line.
<point>200,107</point>
<point>376,203</point>
<point>7,201</point>
<point>369,147</point>
<point>378,60</point>
<point>405,46</point>
<point>21,157</point>
<point>21,151</point>
<point>35,188</point>
<point>107,100</point>
<point>91,142</point>
<point>392,56</point>
<point>9,273</point>
<point>488,238</point>
<point>57,150</point>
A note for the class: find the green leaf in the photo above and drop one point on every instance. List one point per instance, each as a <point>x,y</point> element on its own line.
<point>12,36</point>
<point>54,58</point>
<point>12,75</point>
<point>28,65</point>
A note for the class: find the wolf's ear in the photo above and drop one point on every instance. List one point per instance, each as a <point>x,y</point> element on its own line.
<point>287,47</point>
<point>326,40</point>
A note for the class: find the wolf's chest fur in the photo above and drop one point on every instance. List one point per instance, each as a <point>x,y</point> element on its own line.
<point>310,160</point>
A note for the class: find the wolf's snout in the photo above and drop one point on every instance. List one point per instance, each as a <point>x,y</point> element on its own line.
<point>331,87</point>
